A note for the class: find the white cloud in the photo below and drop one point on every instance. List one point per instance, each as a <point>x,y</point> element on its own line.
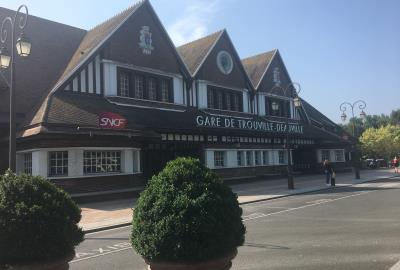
<point>196,18</point>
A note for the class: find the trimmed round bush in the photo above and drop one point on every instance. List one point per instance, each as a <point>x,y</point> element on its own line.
<point>38,221</point>
<point>186,215</point>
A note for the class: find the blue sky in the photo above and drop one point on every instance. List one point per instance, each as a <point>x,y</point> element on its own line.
<point>341,50</point>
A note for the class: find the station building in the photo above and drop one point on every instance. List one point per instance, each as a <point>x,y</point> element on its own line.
<point>108,107</point>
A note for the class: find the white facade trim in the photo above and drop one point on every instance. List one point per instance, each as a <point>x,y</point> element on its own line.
<point>130,161</point>
<point>332,157</point>
<point>142,69</point>
<point>231,157</point>
<point>149,107</point>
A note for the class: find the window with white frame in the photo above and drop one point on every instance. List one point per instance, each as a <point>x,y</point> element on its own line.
<point>249,158</point>
<point>164,91</point>
<point>281,157</point>
<point>28,163</point>
<point>257,158</point>
<point>124,84</point>
<point>240,159</point>
<point>339,155</point>
<point>219,158</point>
<point>325,155</point>
<point>139,85</point>
<point>58,163</point>
<point>152,89</point>
<point>101,162</point>
<point>265,158</point>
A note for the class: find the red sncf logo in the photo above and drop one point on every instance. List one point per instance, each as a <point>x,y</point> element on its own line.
<point>111,120</point>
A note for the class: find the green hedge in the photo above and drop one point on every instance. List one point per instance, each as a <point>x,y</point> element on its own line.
<point>186,214</point>
<point>38,221</point>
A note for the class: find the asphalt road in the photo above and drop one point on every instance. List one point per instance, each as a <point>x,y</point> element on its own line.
<point>354,227</point>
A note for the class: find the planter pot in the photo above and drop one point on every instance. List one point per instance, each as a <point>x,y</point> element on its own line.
<point>60,264</point>
<point>223,263</point>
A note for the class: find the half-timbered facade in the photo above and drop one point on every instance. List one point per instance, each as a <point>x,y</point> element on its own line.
<point>110,106</point>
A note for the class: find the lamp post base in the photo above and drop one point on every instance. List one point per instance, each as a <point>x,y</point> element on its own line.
<point>356,172</point>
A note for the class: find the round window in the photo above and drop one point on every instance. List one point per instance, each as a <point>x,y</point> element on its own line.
<point>224,62</point>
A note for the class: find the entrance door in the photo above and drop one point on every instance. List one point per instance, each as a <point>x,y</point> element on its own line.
<point>304,159</point>
<point>156,156</point>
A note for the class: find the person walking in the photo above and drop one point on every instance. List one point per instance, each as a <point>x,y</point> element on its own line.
<point>396,164</point>
<point>328,171</point>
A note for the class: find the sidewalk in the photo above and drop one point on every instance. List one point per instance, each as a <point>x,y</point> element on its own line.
<point>100,215</point>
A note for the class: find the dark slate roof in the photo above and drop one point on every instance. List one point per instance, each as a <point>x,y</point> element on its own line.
<point>68,111</point>
<point>322,122</point>
<point>314,114</point>
<point>195,52</point>
<point>257,65</point>
<point>53,44</point>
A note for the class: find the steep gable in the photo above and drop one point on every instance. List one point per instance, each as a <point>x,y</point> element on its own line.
<point>195,52</point>
<point>93,39</point>
<point>207,67</point>
<point>123,46</point>
<point>257,65</point>
<point>267,81</point>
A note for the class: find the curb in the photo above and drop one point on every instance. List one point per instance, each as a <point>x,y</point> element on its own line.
<point>109,227</point>
<point>124,224</point>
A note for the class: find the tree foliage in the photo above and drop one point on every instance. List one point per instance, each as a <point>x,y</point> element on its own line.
<point>382,142</point>
<point>186,214</point>
<point>371,121</point>
<point>38,221</point>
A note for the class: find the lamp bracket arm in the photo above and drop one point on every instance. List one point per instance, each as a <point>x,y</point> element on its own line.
<point>344,105</point>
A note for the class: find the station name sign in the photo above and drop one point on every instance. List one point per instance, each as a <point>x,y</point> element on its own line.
<point>247,124</point>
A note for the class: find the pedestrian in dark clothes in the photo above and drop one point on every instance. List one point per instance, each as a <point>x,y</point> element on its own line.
<point>328,170</point>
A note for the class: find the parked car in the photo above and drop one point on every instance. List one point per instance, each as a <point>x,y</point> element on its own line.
<point>370,163</point>
<point>381,163</point>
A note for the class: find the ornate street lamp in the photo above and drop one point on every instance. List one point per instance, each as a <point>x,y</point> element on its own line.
<point>23,47</point>
<point>275,107</point>
<point>343,107</point>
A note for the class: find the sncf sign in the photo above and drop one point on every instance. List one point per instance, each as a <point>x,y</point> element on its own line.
<point>111,120</point>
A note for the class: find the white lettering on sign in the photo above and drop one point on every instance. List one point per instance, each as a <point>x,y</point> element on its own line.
<point>262,125</point>
<point>104,122</point>
<point>111,120</point>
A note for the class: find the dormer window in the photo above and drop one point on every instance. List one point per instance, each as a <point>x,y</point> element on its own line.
<point>224,99</point>
<point>141,85</point>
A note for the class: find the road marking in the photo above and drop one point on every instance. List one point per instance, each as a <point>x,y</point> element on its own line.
<point>319,201</point>
<point>81,256</point>
<point>308,205</point>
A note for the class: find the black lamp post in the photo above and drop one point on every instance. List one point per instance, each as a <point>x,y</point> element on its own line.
<point>343,107</point>
<point>275,107</point>
<point>23,47</point>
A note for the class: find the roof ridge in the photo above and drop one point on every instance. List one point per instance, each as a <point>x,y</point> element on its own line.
<point>135,5</point>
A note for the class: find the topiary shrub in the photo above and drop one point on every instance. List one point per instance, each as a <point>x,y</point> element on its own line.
<point>186,214</point>
<point>38,221</point>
